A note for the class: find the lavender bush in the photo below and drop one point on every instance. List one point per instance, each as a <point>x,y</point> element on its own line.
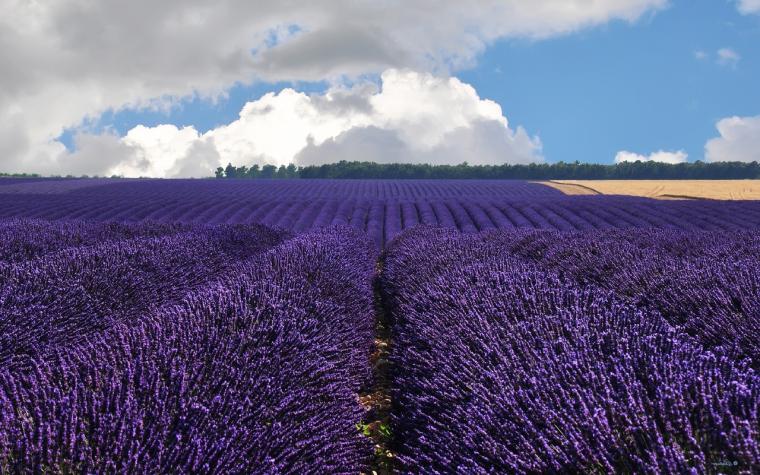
<point>502,366</point>
<point>706,283</point>
<point>77,291</point>
<point>258,372</point>
<point>23,239</point>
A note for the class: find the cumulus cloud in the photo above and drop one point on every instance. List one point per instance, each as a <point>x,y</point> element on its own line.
<point>739,141</point>
<point>747,7</point>
<point>413,117</point>
<point>70,60</point>
<point>484,142</point>
<point>661,156</point>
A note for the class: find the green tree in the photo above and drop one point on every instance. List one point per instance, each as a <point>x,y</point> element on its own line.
<point>268,171</point>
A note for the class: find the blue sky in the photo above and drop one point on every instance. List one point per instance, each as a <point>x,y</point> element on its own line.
<point>639,88</point>
<point>175,89</point>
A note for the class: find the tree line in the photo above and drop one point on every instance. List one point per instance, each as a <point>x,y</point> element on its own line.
<point>267,171</point>
<point>19,175</point>
<point>535,171</point>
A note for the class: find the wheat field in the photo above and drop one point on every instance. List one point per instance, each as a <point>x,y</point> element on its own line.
<point>663,189</point>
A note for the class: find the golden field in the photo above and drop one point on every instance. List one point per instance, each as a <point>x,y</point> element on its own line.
<point>663,189</point>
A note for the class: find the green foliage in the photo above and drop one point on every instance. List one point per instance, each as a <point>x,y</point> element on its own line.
<point>363,428</point>
<point>385,430</point>
<point>534,171</point>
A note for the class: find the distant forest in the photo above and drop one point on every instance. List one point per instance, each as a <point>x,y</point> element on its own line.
<point>543,171</point>
<point>20,175</point>
<point>534,171</point>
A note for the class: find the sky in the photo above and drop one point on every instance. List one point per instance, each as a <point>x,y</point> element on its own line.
<point>177,88</point>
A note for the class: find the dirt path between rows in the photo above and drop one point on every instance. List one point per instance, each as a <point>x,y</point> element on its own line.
<point>377,400</point>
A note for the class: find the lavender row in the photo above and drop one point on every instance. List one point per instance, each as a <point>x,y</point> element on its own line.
<point>502,366</point>
<point>383,218</point>
<point>257,372</point>
<point>75,292</point>
<point>283,190</point>
<point>22,239</point>
<point>706,283</point>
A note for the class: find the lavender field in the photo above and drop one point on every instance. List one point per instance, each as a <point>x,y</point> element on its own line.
<point>380,208</point>
<point>317,326</point>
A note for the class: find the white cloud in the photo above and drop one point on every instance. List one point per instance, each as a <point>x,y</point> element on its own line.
<point>724,56</point>
<point>728,57</point>
<point>661,156</point>
<point>484,142</point>
<point>415,117</point>
<point>739,141</point>
<point>747,7</point>
<point>67,60</point>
